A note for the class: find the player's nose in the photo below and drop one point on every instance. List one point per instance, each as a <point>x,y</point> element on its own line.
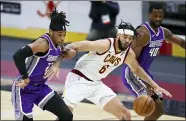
<point>62,39</point>
<point>127,40</point>
<point>158,18</point>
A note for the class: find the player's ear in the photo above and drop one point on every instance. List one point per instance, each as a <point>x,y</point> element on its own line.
<point>149,14</point>
<point>50,31</point>
<point>117,35</point>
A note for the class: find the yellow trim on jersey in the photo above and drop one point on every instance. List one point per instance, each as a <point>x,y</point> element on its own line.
<point>33,33</point>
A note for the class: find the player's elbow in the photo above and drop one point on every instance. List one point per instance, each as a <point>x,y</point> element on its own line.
<point>16,56</point>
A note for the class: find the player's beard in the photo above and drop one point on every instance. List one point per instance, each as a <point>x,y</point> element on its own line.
<point>121,46</point>
<point>155,24</point>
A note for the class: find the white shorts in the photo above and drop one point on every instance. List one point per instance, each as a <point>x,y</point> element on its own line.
<point>78,88</point>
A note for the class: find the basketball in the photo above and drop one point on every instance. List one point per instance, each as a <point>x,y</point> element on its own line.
<point>144,105</point>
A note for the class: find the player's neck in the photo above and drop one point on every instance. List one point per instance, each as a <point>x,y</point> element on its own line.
<point>153,27</point>
<point>117,46</point>
<point>54,43</point>
<point>53,40</point>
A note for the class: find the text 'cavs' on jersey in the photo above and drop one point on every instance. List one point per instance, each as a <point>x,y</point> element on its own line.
<point>96,66</point>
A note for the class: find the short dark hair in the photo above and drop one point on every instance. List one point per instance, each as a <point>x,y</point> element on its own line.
<point>58,21</point>
<point>156,6</point>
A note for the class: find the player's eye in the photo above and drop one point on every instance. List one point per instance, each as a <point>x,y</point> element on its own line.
<point>125,37</point>
<point>130,38</point>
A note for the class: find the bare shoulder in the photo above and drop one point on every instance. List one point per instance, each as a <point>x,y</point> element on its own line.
<point>142,36</point>
<point>142,30</point>
<point>39,45</point>
<point>165,29</point>
<point>167,32</point>
<point>42,42</point>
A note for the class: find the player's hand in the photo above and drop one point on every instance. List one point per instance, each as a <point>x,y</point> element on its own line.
<point>53,70</point>
<point>159,89</point>
<point>68,53</point>
<point>22,83</point>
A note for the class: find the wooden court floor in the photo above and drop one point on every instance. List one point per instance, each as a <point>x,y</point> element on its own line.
<point>83,111</point>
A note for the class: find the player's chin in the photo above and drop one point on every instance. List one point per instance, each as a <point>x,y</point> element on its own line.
<point>158,24</point>
<point>60,42</point>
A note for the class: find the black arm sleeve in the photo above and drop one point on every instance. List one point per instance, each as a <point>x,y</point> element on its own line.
<point>19,60</point>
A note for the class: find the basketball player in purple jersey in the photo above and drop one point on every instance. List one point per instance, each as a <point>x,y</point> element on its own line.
<point>150,37</point>
<point>32,61</point>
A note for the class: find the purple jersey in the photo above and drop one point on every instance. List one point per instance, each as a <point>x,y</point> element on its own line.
<point>36,92</point>
<point>147,55</point>
<point>37,65</point>
<point>150,50</point>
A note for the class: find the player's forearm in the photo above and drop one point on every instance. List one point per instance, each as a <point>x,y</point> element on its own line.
<point>80,46</point>
<point>19,60</point>
<point>59,60</point>
<point>183,44</point>
<point>144,76</point>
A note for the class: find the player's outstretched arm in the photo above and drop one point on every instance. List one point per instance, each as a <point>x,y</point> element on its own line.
<point>138,70</point>
<point>40,45</point>
<point>170,37</point>
<point>99,46</point>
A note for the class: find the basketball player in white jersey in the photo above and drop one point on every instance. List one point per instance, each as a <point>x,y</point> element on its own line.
<point>84,81</point>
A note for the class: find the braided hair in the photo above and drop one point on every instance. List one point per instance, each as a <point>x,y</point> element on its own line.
<point>58,21</point>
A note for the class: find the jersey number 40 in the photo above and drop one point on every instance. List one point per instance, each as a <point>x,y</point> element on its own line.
<point>153,51</point>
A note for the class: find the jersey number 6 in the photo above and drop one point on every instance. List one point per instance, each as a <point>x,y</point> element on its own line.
<point>103,69</point>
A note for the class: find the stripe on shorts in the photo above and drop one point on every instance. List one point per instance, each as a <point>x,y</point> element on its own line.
<point>136,84</point>
<point>16,101</point>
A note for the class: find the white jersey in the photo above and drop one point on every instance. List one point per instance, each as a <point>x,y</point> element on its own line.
<point>96,66</point>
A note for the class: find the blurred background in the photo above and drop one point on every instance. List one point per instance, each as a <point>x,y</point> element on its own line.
<point>24,21</point>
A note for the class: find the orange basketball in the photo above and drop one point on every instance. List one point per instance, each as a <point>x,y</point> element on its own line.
<point>144,105</point>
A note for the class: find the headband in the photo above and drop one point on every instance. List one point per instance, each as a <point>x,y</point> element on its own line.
<point>126,31</point>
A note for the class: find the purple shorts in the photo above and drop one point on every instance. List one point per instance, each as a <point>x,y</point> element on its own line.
<point>23,100</point>
<point>132,82</point>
